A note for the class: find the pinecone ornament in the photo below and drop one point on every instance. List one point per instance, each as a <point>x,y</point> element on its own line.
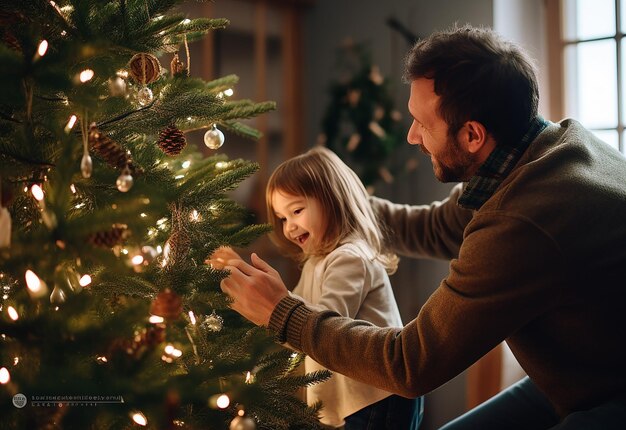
<point>110,151</point>
<point>110,238</point>
<point>172,140</point>
<point>176,248</point>
<point>167,304</point>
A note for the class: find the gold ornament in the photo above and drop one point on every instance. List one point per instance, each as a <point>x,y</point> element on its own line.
<point>144,68</point>
<point>144,96</point>
<point>214,138</point>
<point>125,181</point>
<point>213,322</point>
<point>242,423</point>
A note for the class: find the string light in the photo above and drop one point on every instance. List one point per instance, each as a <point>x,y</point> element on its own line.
<point>86,75</point>
<point>137,260</point>
<point>12,313</point>
<point>192,318</point>
<point>70,123</point>
<point>42,48</point>
<point>36,287</point>
<point>5,376</point>
<point>186,21</point>
<point>84,280</point>
<point>186,164</point>
<point>37,192</point>
<point>219,400</point>
<point>155,319</point>
<point>229,92</point>
<point>139,418</point>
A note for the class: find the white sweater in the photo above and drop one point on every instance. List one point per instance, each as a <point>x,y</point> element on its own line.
<point>350,282</point>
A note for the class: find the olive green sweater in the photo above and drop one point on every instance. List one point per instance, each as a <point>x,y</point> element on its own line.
<point>541,264</point>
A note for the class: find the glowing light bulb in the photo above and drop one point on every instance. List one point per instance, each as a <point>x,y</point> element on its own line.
<point>85,280</point>
<point>70,123</point>
<point>223,401</point>
<point>137,260</point>
<point>229,92</point>
<point>139,418</point>
<point>12,313</point>
<point>155,319</point>
<point>86,75</point>
<point>192,318</point>
<point>42,48</point>
<point>5,376</point>
<point>36,287</point>
<point>37,192</point>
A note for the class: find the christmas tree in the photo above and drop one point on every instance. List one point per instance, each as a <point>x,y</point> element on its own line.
<point>109,317</point>
<point>361,123</point>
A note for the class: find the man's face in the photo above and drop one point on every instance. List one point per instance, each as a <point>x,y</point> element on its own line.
<point>451,161</point>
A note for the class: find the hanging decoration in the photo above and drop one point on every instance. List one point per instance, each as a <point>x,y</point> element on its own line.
<point>177,67</point>
<point>242,423</point>
<point>213,322</point>
<point>86,164</point>
<point>167,304</point>
<point>214,138</point>
<point>110,238</point>
<point>171,140</point>
<point>145,69</point>
<point>110,151</point>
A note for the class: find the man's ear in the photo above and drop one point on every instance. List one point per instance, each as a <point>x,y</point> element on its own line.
<point>474,136</point>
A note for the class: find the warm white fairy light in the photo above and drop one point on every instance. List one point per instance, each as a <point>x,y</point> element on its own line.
<point>42,48</point>
<point>86,75</point>
<point>241,412</point>
<point>36,287</point>
<point>125,251</point>
<point>84,280</point>
<point>186,164</point>
<point>158,18</point>
<point>229,92</point>
<point>79,205</point>
<point>192,318</point>
<point>102,359</point>
<point>179,176</point>
<point>5,376</point>
<point>139,418</point>
<point>186,21</point>
<point>221,164</point>
<point>12,313</point>
<point>222,401</point>
<point>16,361</point>
<point>73,188</point>
<point>137,260</point>
<point>248,377</point>
<point>173,351</point>
<point>159,249</point>
<point>37,192</point>
<point>143,214</point>
<point>194,216</point>
<point>70,123</point>
<point>155,319</point>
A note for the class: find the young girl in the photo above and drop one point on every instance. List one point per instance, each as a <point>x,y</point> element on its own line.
<point>322,217</point>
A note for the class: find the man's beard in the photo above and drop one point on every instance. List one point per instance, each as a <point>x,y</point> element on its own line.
<point>454,165</point>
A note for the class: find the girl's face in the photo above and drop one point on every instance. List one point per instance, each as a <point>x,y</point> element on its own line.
<point>302,219</point>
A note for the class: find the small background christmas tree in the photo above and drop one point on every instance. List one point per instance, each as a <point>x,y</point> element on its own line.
<point>361,123</point>
<point>109,317</point>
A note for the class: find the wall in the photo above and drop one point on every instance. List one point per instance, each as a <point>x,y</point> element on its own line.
<point>329,22</point>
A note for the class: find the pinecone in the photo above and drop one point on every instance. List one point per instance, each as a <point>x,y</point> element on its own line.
<point>177,247</point>
<point>167,304</point>
<point>110,238</point>
<point>172,140</point>
<point>110,151</point>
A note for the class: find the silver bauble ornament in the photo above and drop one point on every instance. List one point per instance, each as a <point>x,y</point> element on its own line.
<point>214,138</point>
<point>242,423</point>
<point>125,181</point>
<point>58,296</point>
<point>144,96</point>
<point>117,86</point>
<point>213,322</point>
<point>86,165</point>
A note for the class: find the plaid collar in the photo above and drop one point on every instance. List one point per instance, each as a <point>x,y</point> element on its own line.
<point>490,175</point>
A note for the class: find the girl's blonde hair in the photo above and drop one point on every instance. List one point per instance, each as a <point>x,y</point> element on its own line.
<point>319,173</point>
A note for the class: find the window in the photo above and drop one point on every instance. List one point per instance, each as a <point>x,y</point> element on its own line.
<point>593,69</point>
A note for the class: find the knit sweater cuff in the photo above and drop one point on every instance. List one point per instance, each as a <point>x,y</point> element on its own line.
<point>288,319</point>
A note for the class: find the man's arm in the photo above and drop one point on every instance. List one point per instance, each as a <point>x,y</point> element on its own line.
<point>434,230</point>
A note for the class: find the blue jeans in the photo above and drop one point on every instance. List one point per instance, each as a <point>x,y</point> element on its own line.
<point>391,413</point>
<point>523,407</point>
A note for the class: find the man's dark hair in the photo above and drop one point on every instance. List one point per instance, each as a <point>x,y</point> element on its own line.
<point>478,76</point>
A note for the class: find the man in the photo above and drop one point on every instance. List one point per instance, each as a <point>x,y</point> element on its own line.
<point>536,239</point>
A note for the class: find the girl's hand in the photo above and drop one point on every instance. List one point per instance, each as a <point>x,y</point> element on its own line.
<point>221,255</point>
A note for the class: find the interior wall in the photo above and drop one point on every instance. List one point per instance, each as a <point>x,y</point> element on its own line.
<point>327,23</point>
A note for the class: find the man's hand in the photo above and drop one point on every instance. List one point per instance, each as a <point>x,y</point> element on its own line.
<point>256,289</point>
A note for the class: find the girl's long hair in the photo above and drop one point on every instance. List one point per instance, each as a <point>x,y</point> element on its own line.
<point>320,174</point>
